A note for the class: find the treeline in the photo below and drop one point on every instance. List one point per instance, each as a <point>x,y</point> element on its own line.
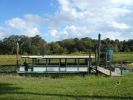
<point>38,46</point>
<point>27,45</point>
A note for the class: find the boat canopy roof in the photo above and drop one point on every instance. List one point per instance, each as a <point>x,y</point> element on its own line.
<point>56,57</point>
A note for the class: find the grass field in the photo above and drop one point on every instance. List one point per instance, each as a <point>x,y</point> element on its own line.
<point>8,62</point>
<point>67,88</point>
<point>127,56</point>
<point>117,57</point>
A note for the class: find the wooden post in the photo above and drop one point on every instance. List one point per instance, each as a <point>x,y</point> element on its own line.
<point>110,68</point>
<point>121,68</point>
<point>78,64</point>
<point>17,55</point>
<point>59,64</point>
<point>46,64</point>
<point>75,61</point>
<point>65,64</point>
<point>89,62</point>
<point>106,59</point>
<point>96,61</point>
<point>99,48</point>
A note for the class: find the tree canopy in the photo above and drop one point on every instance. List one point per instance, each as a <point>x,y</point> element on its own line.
<point>38,46</point>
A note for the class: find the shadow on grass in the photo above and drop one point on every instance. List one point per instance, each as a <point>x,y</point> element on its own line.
<point>77,96</point>
<point>5,88</point>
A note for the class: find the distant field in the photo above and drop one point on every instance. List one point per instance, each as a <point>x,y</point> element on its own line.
<point>127,56</point>
<point>7,59</point>
<point>117,57</point>
<point>67,88</point>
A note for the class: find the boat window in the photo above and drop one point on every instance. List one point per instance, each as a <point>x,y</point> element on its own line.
<point>27,60</point>
<point>40,61</point>
<point>83,61</point>
<point>53,62</point>
<point>72,62</point>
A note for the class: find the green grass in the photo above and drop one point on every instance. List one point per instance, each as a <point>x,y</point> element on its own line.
<point>7,60</point>
<point>67,88</point>
<point>11,59</point>
<point>120,56</point>
<point>117,57</point>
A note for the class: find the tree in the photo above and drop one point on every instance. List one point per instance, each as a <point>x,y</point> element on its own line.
<point>55,48</point>
<point>38,45</point>
<point>10,43</point>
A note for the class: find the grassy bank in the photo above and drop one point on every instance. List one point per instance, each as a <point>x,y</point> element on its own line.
<point>68,88</point>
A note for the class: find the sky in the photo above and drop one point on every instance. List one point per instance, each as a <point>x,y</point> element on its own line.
<point>56,20</point>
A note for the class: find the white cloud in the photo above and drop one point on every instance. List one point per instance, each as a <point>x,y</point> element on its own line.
<point>54,33</point>
<point>34,19</point>
<point>112,35</point>
<point>3,32</point>
<point>117,35</point>
<point>120,26</point>
<point>16,23</point>
<point>122,2</point>
<point>65,5</point>
<point>25,26</point>
<point>80,16</point>
<point>68,32</point>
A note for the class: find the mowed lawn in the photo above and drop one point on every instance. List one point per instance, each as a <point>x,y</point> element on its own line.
<point>66,88</point>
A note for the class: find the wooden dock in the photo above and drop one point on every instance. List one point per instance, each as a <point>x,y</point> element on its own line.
<point>107,72</point>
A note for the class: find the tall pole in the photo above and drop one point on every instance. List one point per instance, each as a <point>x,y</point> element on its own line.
<point>17,55</point>
<point>99,48</point>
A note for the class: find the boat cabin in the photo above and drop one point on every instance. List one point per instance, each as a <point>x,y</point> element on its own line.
<point>48,65</point>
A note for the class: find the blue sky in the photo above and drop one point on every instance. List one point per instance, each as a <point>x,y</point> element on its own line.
<point>14,8</point>
<point>60,19</point>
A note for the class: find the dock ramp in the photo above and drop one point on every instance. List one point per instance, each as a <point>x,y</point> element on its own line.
<point>107,72</point>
